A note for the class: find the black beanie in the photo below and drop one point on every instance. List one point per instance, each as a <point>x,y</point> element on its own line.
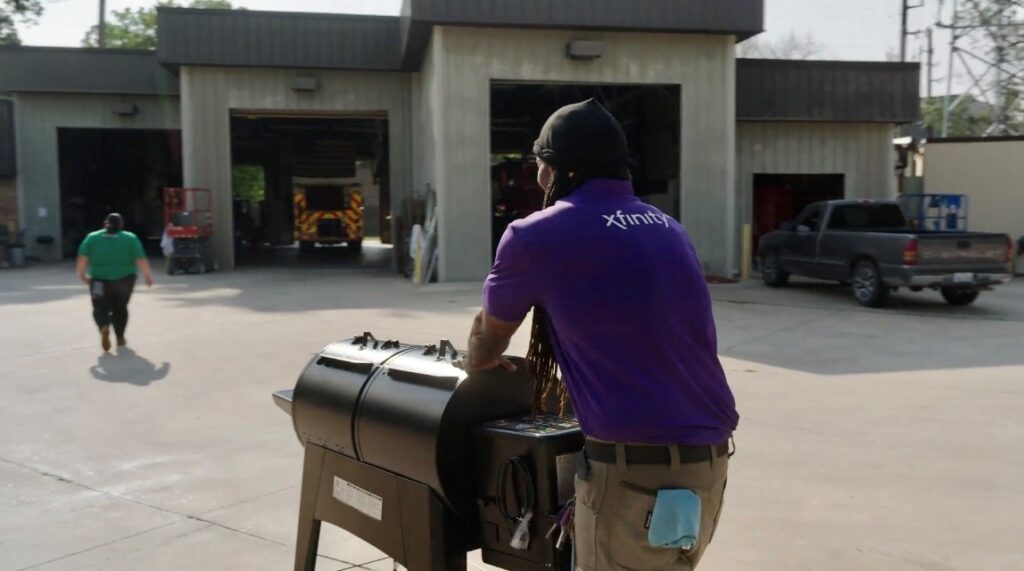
<point>583,136</point>
<point>114,222</point>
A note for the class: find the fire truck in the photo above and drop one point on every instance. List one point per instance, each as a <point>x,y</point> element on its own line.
<point>328,213</point>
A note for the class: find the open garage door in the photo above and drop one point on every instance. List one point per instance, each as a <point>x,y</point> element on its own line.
<point>310,188</point>
<point>650,116</point>
<point>779,198</point>
<point>115,170</point>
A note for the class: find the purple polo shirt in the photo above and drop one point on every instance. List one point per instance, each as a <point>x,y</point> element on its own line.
<point>630,314</point>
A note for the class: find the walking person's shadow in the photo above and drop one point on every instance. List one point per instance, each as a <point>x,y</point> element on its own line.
<point>127,366</point>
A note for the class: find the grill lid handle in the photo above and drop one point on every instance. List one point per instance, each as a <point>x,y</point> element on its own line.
<point>444,345</point>
<point>365,339</point>
<point>421,378</point>
<point>352,365</point>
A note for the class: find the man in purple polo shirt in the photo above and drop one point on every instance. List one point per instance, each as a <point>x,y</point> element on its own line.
<point>622,309</point>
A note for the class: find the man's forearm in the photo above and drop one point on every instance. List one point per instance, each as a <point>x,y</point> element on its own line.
<point>483,348</point>
<point>81,266</point>
<point>143,265</point>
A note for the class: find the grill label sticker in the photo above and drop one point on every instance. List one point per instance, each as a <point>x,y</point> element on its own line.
<point>359,499</point>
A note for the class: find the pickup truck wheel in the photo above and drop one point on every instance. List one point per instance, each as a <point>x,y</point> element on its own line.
<point>868,287</point>
<point>771,270</point>
<point>960,297</point>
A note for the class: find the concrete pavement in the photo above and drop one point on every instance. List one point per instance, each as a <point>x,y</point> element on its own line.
<point>870,439</point>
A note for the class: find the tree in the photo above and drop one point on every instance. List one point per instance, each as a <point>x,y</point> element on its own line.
<point>136,28</point>
<point>13,12</point>
<point>791,46</point>
<point>968,119</point>
<point>248,183</point>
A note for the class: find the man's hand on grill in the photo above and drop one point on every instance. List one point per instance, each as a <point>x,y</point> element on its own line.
<point>502,362</point>
<point>488,340</point>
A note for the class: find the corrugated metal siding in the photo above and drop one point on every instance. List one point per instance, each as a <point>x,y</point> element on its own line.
<point>426,94</point>
<point>828,91</point>
<point>210,94</point>
<point>862,152</point>
<point>8,156</point>
<point>740,17</point>
<point>80,70</point>
<point>342,41</point>
<point>39,116</point>
<point>278,39</point>
<point>466,60</point>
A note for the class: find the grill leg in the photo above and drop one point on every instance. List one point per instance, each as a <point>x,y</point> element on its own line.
<point>309,527</point>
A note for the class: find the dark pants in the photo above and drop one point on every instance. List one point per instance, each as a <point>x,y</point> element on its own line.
<point>110,302</point>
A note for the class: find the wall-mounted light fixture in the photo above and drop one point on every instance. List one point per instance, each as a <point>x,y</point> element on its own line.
<point>584,50</point>
<point>125,109</point>
<point>304,83</point>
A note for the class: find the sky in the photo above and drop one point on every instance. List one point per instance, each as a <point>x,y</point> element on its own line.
<point>847,29</point>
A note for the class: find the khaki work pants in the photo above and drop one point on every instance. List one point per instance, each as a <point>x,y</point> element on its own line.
<point>612,507</point>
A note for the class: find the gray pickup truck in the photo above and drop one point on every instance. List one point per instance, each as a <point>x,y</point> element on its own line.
<point>871,245</point>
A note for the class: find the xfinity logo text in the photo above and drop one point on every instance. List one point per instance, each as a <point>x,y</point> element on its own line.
<point>624,221</point>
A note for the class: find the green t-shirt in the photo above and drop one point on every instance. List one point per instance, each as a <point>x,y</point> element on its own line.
<point>111,256</point>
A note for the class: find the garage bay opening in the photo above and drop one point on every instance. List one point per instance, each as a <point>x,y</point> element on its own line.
<point>780,198</point>
<point>115,170</point>
<point>650,116</point>
<point>310,187</point>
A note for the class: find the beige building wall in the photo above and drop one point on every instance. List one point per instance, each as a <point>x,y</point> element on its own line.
<point>210,94</point>
<point>990,172</point>
<point>863,152</point>
<point>453,125</point>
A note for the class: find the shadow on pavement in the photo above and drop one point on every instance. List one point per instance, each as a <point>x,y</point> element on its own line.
<point>127,366</point>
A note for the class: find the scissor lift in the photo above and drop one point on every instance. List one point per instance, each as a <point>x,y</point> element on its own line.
<point>188,219</point>
<point>936,212</point>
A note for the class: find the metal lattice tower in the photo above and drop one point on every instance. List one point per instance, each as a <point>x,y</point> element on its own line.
<point>987,45</point>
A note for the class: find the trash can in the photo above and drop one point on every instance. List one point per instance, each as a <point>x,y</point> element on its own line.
<point>16,255</point>
<point>405,450</point>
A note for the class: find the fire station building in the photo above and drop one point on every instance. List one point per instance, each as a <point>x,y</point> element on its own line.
<point>445,99</point>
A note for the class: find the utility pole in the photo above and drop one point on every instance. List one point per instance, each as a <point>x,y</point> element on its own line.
<point>949,68</point>
<point>931,64</point>
<point>101,38</point>
<point>904,32</point>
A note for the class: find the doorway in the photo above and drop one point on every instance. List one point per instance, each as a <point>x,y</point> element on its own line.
<point>779,198</point>
<point>649,115</point>
<point>115,170</point>
<point>277,159</point>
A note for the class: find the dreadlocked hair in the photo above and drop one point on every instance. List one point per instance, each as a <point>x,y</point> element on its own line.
<point>547,385</point>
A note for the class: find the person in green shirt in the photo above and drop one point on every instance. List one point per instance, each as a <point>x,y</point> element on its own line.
<point>108,262</point>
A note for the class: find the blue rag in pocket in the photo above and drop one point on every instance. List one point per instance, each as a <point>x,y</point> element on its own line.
<point>675,522</point>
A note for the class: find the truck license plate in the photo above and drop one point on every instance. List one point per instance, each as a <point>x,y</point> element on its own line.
<point>963,278</point>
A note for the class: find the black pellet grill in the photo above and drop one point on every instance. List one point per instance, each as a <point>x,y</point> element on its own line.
<point>411,454</point>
